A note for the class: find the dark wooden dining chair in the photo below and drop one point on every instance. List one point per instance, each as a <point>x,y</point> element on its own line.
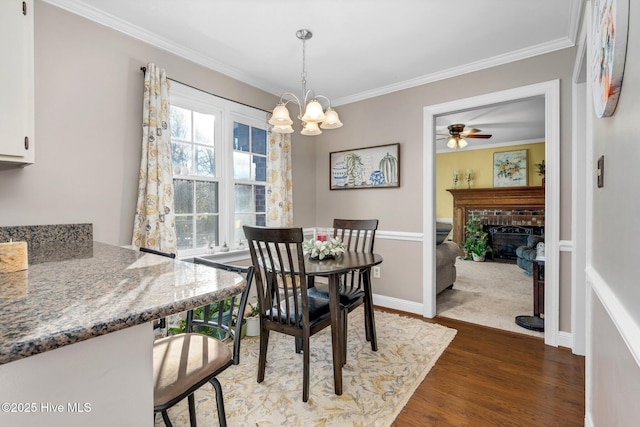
<point>183,363</point>
<point>355,287</point>
<point>281,284</point>
<point>159,323</point>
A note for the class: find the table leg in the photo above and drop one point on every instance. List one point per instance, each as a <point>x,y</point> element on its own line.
<point>369,308</point>
<point>336,331</point>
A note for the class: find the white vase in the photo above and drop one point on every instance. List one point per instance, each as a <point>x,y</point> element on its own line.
<point>478,258</point>
<point>253,326</point>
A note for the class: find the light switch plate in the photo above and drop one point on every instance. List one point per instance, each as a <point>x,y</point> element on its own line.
<point>600,172</point>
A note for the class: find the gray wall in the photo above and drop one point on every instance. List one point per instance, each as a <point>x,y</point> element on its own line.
<point>615,375</point>
<point>397,117</point>
<point>88,117</point>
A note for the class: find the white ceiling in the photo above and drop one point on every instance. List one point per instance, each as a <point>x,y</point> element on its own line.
<point>359,49</point>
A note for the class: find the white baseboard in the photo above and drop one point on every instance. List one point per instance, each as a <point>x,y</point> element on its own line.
<point>397,304</point>
<point>565,339</point>
<point>588,421</point>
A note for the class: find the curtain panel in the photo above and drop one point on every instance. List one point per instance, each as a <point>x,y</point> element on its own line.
<point>279,182</point>
<point>154,225</point>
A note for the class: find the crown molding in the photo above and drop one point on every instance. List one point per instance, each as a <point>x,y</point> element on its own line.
<point>136,32</point>
<point>494,61</point>
<point>153,39</point>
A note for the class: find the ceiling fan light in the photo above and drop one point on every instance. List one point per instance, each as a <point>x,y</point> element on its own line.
<point>331,121</point>
<point>313,112</point>
<point>452,143</point>
<point>310,129</point>
<point>462,143</point>
<point>282,129</point>
<point>280,116</point>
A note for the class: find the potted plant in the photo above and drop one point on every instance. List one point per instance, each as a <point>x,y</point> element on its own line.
<point>476,243</point>
<point>252,315</point>
<point>198,313</point>
<point>541,169</point>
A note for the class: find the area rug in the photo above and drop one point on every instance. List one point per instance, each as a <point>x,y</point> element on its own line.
<point>489,294</point>
<point>376,385</point>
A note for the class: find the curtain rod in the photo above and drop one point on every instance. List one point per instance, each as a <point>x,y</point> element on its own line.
<point>144,70</point>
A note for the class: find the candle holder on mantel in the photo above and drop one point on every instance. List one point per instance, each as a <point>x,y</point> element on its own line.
<point>455,179</point>
<point>467,177</point>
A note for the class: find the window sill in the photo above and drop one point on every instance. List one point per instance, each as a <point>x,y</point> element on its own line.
<point>223,257</point>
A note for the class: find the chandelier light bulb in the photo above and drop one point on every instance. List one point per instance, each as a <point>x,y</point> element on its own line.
<point>331,121</point>
<point>282,129</point>
<point>280,116</point>
<point>313,113</point>
<point>311,129</point>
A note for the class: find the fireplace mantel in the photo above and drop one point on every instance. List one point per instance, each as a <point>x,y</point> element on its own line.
<point>491,198</point>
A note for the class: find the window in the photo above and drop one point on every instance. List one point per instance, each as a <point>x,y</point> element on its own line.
<point>219,155</point>
<point>250,176</point>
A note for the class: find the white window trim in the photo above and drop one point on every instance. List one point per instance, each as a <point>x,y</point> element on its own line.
<point>226,112</point>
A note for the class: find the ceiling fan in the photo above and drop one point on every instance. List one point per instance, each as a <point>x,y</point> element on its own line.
<point>457,135</point>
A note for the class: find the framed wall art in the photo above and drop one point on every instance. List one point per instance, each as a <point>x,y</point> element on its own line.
<point>510,169</point>
<point>609,47</point>
<point>370,167</point>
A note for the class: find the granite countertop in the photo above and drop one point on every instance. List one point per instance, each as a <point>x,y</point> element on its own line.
<point>99,290</point>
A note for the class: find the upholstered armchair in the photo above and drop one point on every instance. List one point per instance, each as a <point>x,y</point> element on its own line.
<point>527,253</point>
<point>446,255</point>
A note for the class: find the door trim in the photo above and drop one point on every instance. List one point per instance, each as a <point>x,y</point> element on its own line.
<point>551,91</point>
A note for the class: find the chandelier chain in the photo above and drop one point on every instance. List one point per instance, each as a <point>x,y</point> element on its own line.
<point>304,69</point>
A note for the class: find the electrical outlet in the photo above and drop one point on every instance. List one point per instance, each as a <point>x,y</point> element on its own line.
<point>376,272</point>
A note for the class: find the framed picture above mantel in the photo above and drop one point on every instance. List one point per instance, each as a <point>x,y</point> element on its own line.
<point>369,167</point>
<point>510,169</point>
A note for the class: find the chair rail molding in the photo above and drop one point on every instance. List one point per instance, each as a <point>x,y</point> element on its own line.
<point>629,330</point>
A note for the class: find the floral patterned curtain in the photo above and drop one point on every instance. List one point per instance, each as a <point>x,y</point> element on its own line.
<point>279,183</point>
<point>154,225</point>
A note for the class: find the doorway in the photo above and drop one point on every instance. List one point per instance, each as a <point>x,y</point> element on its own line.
<point>551,92</point>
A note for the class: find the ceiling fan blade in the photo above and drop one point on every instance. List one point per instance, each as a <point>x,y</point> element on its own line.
<point>478,135</point>
<point>469,131</point>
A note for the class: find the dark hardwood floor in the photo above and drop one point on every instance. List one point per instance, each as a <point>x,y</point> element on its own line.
<point>489,377</point>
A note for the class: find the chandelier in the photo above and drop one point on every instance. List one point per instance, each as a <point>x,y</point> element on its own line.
<point>313,117</point>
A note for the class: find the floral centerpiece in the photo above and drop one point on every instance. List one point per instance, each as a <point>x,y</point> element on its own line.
<point>321,249</point>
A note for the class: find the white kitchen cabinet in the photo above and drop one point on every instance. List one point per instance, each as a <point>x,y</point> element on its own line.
<point>17,146</point>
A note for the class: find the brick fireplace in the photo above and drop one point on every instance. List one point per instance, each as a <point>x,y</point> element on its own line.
<point>508,214</point>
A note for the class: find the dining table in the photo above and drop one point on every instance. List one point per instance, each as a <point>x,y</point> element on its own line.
<point>333,268</point>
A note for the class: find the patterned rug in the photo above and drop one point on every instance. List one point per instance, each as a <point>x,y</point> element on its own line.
<point>376,385</point>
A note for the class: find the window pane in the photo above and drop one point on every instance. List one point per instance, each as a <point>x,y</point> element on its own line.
<point>244,199</point>
<point>206,197</point>
<point>260,199</point>
<point>240,220</point>
<point>183,196</point>
<point>241,166</point>
<point>181,158</point>
<point>240,137</point>
<point>205,164</point>
<point>206,230</point>
<point>260,168</point>
<point>203,128</point>
<point>180,122</point>
<point>261,220</point>
<point>184,231</point>
<point>259,141</point>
